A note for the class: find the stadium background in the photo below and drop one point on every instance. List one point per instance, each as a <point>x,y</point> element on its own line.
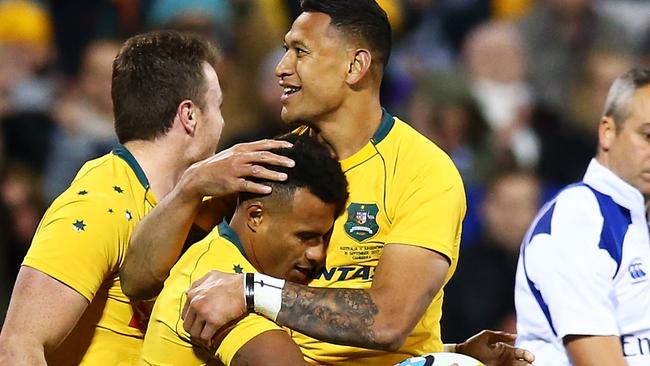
<point>511,89</point>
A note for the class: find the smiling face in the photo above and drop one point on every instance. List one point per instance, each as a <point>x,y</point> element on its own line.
<point>626,150</point>
<point>290,238</point>
<point>313,69</point>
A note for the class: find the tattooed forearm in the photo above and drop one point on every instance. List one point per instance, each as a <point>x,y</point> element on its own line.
<point>342,316</point>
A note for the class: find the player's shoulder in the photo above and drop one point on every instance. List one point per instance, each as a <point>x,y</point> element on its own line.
<point>416,156</point>
<point>403,133</point>
<point>410,144</point>
<point>100,181</point>
<point>218,249</point>
<point>576,195</point>
<point>575,206</point>
<point>95,174</point>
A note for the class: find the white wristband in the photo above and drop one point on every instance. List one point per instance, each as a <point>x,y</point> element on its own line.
<point>449,347</point>
<point>268,295</point>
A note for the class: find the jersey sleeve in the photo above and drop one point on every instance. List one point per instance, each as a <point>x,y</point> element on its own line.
<point>574,275</point>
<point>78,242</point>
<point>430,211</point>
<point>245,330</point>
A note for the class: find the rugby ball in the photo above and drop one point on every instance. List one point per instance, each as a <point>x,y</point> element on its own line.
<point>441,359</point>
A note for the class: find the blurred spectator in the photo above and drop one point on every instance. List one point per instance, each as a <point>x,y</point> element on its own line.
<point>79,22</point>
<point>25,54</point>
<point>21,208</point>
<point>432,34</point>
<point>558,34</point>
<point>480,294</point>
<point>632,15</point>
<point>443,110</point>
<point>217,13</point>
<point>644,51</point>
<point>564,149</point>
<point>20,195</point>
<point>599,71</point>
<point>27,85</point>
<point>268,92</point>
<point>511,9</point>
<point>495,59</point>
<point>85,119</point>
<point>7,271</point>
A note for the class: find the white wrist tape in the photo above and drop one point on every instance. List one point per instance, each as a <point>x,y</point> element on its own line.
<point>268,295</point>
<point>449,347</point>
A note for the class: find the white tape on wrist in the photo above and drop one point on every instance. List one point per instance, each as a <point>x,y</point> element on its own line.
<point>268,295</point>
<point>449,347</point>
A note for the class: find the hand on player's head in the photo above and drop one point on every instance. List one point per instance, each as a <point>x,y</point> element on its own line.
<point>230,171</point>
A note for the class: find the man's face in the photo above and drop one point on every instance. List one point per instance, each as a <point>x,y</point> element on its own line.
<point>211,121</point>
<point>312,70</point>
<point>292,240</point>
<point>509,208</point>
<point>629,149</point>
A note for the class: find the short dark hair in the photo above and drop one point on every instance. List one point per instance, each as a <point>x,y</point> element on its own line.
<point>617,105</point>
<point>315,169</point>
<point>152,74</point>
<point>358,18</point>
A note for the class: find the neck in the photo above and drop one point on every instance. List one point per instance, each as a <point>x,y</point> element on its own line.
<point>350,128</point>
<point>238,225</point>
<point>603,159</point>
<point>159,163</point>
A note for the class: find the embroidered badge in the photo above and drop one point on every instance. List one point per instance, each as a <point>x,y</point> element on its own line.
<point>362,221</point>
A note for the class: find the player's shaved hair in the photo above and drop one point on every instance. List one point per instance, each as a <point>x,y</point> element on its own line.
<point>617,105</point>
<point>152,74</point>
<point>363,19</point>
<point>315,169</point>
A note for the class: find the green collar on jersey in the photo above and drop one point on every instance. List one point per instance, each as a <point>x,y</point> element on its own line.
<point>387,123</point>
<point>225,231</point>
<point>121,151</point>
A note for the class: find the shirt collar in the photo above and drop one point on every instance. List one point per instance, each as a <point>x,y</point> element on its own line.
<point>226,232</point>
<point>122,152</point>
<point>605,181</point>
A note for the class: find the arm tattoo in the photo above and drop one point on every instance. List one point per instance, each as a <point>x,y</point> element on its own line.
<point>342,316</point>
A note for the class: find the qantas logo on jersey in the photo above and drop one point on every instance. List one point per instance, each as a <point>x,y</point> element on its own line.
<point>637,270</point>
<point>346,273</point>
<point>362,221</point>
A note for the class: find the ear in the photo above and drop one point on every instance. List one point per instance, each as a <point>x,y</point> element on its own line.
<point>359,66</point>
<point>186,114</point>
<point>254,215</point>
<point>606,133</point>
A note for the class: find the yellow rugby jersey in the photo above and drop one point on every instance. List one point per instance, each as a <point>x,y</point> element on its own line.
<point>166,342</point>
<point>403,189</point>
<point>81,241</point>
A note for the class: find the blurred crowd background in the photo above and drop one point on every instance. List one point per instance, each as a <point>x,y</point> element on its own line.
<point>512,90</point>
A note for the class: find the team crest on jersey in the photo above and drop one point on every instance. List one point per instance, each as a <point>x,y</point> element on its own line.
<point>362,221</point>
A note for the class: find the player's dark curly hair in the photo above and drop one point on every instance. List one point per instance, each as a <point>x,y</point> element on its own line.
<point>315,170</point>
<point>364,19</point>
<point>152,74</point>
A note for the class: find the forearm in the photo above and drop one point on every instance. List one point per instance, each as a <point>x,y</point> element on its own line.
<point>156,244</point>
<point>343,316</point>
<point>21,352</point>
<point>595,350</point>
<point>369,318</point>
